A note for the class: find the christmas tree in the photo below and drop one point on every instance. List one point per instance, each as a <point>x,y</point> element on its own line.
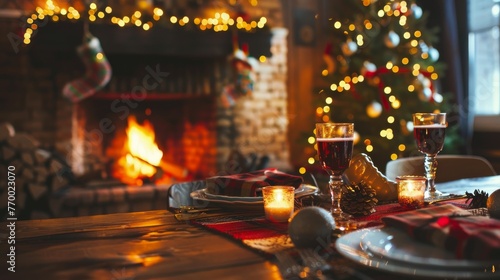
<point>380,67</point>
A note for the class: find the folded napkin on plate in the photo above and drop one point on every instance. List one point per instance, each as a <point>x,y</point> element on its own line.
<point>451,228</point>
<point>247,184</point>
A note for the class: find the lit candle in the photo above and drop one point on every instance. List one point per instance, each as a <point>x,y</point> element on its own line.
<point>411,191</point>
<point>278,202</point>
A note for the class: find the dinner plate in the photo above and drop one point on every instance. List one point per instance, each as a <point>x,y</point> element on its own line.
<point>244,202</point>
<point>352,246</point>
<point>394,244</point>
<point>300,191</point>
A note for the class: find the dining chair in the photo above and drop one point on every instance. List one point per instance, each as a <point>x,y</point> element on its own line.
<point>450,167</point>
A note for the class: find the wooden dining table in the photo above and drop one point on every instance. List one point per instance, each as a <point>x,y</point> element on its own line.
<point>142,245</point>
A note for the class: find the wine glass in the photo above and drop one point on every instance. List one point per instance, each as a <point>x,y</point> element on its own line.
<point>429,132</point>
<point>335,144</point>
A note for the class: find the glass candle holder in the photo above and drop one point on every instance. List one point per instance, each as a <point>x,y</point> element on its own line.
<point>411,191</point>
<point>278,202</point>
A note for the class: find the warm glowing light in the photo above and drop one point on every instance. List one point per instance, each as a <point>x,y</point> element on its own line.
<point>311,140</point>
<point>390,119</point>
<point>394,156</point>
<point>142,153</point>
<point>337,25</point>
<point>302,170</point>
<point>402,147</point>
<point>369,148</point>
<point>328,100</point>
<point>311,160</point>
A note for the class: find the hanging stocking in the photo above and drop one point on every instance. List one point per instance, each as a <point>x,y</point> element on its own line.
<point>242,83</point>
<point>98,71</point>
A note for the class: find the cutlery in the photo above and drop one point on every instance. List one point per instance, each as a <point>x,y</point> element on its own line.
<point>289,267</point>
<point>317,268</point>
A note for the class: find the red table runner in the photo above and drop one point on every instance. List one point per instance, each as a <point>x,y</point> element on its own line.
<point>267,237</point>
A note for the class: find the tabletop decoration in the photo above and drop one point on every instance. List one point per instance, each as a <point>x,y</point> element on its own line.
<point>363,169</point>
<point>411,191</point>
<point>311,227</point>
<point>477,199</point>
<point>358,199</point>
<point>278,202</point>
<point>451,228</point>
<point>493,204</point>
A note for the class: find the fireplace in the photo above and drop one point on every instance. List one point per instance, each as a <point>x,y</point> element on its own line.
<point>195,131</point>
<point>193,128</point>
<point>181,109</point>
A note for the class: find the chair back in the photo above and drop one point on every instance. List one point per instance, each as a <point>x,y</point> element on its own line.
<point>450,167</point>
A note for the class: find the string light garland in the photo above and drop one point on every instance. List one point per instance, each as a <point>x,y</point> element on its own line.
<point>218,22</point>
<point>361,71</point>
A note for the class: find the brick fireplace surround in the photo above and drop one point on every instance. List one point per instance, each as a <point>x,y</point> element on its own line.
<point>256,124</point>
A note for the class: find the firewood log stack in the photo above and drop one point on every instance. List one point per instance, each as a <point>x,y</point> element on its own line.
<point>39,173</point>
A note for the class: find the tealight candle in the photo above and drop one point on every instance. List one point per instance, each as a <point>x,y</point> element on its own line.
<point>411,191</point>
<point>278,202</point>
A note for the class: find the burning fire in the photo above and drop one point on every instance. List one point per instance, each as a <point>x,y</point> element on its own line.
<point>142,156</point>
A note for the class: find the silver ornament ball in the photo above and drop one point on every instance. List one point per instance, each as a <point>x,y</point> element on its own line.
<point>311,227</point>
<point>493,204</point>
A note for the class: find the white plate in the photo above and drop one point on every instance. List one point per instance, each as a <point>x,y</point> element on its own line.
<point>394,244</point>
<point>244,202</point>
<point>351,246</point>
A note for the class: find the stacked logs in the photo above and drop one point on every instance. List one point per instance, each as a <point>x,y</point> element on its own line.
<point>39,174</point>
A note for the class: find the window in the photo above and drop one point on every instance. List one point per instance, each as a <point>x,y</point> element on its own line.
<point>484,57</point>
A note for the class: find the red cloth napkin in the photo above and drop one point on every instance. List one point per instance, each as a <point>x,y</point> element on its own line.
<point>247,184</point>
<point>452,228</point>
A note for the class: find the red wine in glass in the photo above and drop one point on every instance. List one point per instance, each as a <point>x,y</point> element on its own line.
<point>430,138</point>
<point>335,153</point>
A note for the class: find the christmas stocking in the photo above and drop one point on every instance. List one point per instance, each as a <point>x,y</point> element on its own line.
<point>98,71</point>
<point>242,83</point>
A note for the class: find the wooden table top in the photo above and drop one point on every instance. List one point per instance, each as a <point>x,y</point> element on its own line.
<point>135,245</point>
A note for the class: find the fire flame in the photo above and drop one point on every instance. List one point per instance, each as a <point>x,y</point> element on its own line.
<point>142,154</point>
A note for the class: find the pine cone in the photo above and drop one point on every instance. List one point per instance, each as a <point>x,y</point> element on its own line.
<point>358,199</point>
<point>477,199</point>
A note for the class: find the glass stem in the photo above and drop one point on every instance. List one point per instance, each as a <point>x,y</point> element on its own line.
<point>430,164</point>
<point>335,185</point>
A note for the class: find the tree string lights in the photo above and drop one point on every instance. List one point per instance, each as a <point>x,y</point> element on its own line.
<point>380,67</point>
<point>146,19</point>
